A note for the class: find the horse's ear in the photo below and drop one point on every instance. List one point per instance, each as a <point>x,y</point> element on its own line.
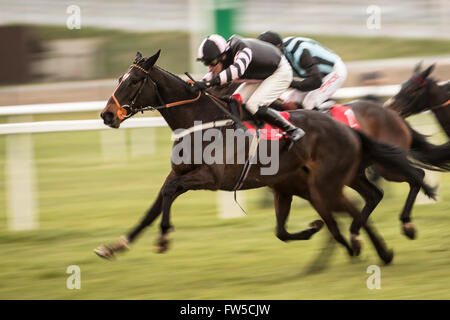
<point>150,62</point>
<point>418,67</point>
<point>427,72</point>
<point>138,57</point>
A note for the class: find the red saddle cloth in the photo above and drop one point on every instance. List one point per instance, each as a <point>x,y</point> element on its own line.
<point>268,132</point>
<point>338,112</point>
<point>345,115</point>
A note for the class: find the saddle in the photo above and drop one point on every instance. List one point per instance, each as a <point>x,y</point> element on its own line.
<point>267,132</point>
<point>338,112</point>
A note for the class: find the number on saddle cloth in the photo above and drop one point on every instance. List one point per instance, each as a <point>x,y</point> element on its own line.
<point>345,115</point>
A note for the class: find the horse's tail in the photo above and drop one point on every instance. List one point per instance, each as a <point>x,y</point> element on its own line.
<point>433,157</point>
<point>394,159</point>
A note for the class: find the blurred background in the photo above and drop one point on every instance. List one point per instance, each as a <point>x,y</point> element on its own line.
<point>64,193</point>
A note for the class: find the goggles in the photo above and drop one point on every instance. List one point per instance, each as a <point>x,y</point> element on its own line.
<point>212,63</point>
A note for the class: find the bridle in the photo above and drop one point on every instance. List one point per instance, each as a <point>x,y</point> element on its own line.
<point>127,111</point>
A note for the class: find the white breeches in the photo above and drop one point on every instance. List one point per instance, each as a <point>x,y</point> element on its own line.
<point>267,91</point>
<point>330,84</point>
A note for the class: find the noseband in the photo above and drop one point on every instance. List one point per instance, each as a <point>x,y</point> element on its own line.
<point>127,111</point>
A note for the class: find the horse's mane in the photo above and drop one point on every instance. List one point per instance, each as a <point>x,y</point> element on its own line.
<point>142,60</point>
<point>172,75</point>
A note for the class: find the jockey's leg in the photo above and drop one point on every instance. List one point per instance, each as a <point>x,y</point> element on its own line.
<point>246,90</point>
<point>267,92</point>
<point>293,96</point>
<point>274,118</point>
<point>330,84</point>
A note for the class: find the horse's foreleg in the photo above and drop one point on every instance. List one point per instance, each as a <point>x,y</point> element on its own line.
<point>405,216</point>
<point>150,216</point>
<point>152,213</point>
<point>162,243</point>
<point>372,196</point>
<point>199,178</point>
<point>321,201</point>
<point>108,251</point>
<point>282,209</point>
<point>383,252</point>
<point>370,192</point>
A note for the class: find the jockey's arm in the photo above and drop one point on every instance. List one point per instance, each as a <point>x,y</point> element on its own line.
<point>233,72</point>
<point>313,78</point>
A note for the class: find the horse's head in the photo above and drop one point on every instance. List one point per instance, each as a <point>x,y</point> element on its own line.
<point>132,93</point>
<point>413,95</point>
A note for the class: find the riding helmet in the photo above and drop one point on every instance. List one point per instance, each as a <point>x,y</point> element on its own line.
<point>271,37</point>
<point>211,48</point>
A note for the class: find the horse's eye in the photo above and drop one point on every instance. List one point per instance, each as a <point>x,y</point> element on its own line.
<point>135,81</point>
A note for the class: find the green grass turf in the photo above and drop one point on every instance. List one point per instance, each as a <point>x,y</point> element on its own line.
<point>85,200</point>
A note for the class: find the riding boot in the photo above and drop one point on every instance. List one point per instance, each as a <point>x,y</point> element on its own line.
<point>272,117</point>
<point>276,105</point>
<point>233,106</point>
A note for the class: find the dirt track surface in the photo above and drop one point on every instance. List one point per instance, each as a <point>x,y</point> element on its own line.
<point>390,71</point>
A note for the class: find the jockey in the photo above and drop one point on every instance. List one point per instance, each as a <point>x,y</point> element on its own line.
<point>323,71</point>
<point>265,74</point>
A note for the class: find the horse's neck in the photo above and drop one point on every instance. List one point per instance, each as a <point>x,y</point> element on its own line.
<point>443,114</point>
<point>183,116</point>
<point>444,91</point>
<point>434,94</point>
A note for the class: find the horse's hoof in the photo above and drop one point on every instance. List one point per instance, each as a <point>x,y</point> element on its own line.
<point>317,224</point>
<point>409,230</point>
<point>350,251</point>
<point>161,248</point>
<point>107,252</point>
<point>162,245</point>
<point>388,256</point>
<point>356,244</point>
<point>104,252</point>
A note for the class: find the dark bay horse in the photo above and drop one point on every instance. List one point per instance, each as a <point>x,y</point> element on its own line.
<point>387,126</point>
<point>422,93</point>
<point>316,168</point>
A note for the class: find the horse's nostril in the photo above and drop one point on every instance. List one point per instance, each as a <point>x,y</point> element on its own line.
<point>107,117</point>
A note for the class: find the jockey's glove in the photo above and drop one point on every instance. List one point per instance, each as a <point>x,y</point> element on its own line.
<point>202,85</point>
